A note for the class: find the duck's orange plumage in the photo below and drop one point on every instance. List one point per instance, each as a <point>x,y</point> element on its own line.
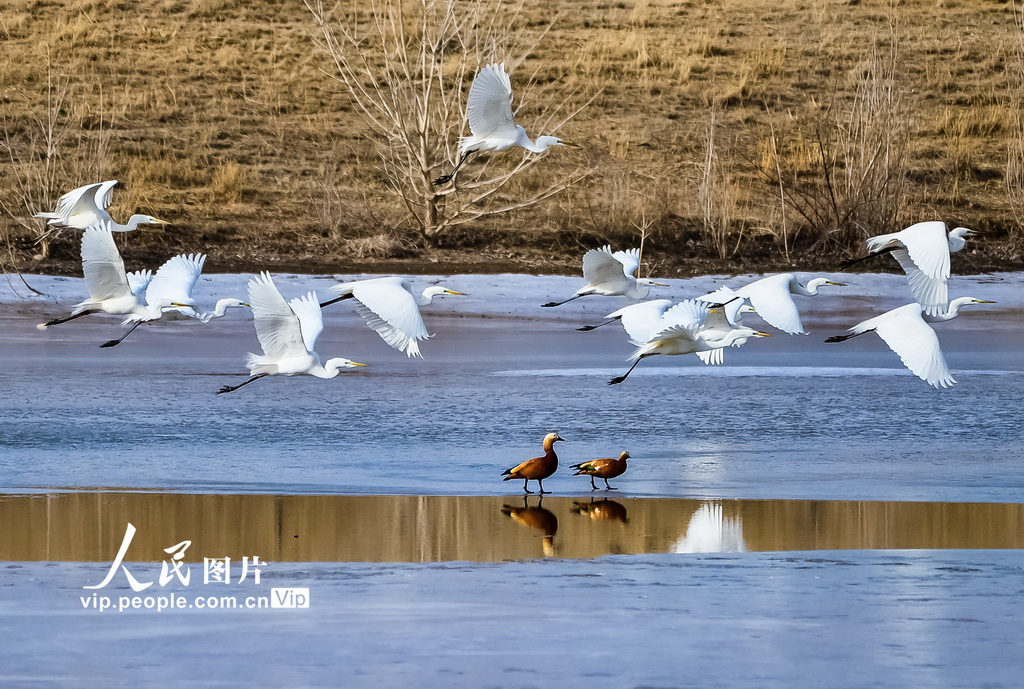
<point>605,468</point>
<point>538,468</point>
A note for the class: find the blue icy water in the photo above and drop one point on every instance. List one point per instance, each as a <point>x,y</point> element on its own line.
<point>788,417</point>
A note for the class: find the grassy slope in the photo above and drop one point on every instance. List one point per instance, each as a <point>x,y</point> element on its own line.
<point>216,114</point>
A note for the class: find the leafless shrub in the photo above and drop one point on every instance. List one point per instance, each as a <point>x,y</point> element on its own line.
<point>1014,179</point>
<point>404,64</point>
<point>715,193</point>
<point>48,152</point>
<point>843,172</point>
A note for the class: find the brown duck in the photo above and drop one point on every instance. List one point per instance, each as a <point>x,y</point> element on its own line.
<point>538,468</point>
<point>605,468</point>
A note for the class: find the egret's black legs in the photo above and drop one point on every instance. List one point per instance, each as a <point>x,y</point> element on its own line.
<point>844,338</point>
<point>114,343</point>
<point>231,388</point>
<point>336,300</point>
<point>444,179</point>
<point>559,303</point>
<point>588,328</point>
<point>854,261</point>
<point>58,321</point>
<point>721,304</point>
<point>618,379</point>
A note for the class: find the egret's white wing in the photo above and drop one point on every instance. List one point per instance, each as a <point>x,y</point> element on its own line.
<point>600,266</point>
<point>391,310</point>
<point>311,318</point>
<point>175,280</point>
<point>914,342</point>
<point>713,357</point>
<point>680,331</point>
<point>932,294</point>
<point>77,201</point>
<point>104,194</point>
<point>689,313</point>
<point>641,321</point>
<point>489,105</point>
<point>277,326</point>
<point>102,265</point>
<point>773,302</point>
<point>138,281</point>
<point>630,260</point>
<point>928,247</point>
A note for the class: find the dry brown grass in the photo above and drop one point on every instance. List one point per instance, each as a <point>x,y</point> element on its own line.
<point>216,114</point>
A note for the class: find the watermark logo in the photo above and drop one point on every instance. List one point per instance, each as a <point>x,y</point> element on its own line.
<point>216,570</point>
<point>289,598</point>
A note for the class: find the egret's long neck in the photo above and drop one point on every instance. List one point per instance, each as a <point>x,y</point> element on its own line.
<point>221,309</point>
<point>955,243</point>
<point>425,298</point>
<point>951,311</point>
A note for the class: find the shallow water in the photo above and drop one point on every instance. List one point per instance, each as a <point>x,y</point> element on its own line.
<point>394,528</point>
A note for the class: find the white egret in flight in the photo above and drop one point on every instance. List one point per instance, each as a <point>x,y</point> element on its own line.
<point>287,332</point>
<point>86,207</point>
<point>772,299</point>
<point>610,274</point>
<point>390,308</point>
<point>906,331</point>
<point>922,250</point>
<point>492,123</point>
<point>681,333</point>
<point>640,321</point>
<point>170,291</point>
<point>110,288</point>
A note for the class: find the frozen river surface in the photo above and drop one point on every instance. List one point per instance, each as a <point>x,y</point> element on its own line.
<point>786,417</point>
<point>791,423</point>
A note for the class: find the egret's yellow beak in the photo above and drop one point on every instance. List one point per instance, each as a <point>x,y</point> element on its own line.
<point>660,284</point>
<point>158,221</point>
<point>760,333</point>
<point>356,363</point>
<point>179,304</point>
<point>985,301</point>
<point>245,304</point>
<point>451,291</point>
<point>715,311</point>
<point>836,284</point>
<point>570,144</point>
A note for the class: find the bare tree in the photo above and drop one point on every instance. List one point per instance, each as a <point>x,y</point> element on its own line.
<point>404,63</point>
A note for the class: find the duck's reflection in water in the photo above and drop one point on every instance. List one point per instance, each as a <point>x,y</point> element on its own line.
<point>712,531</point>
<point>603,509</point>
<point>536,517</point>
